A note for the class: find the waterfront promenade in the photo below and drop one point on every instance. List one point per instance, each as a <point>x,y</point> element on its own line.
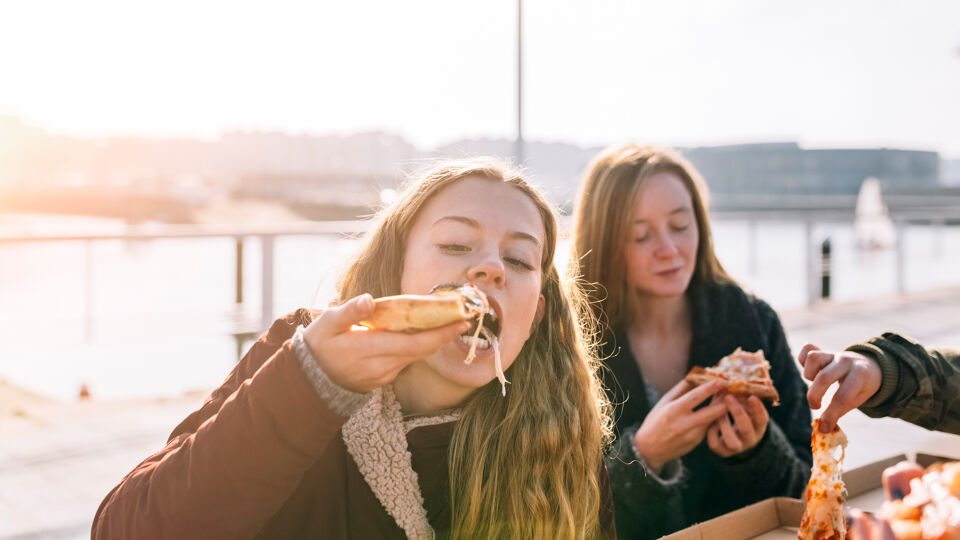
<point>57,461</point>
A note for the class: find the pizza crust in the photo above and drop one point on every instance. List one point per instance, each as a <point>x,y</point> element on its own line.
<point>414,313</point>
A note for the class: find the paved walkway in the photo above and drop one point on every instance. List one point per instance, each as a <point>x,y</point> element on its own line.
<point>57,462</point>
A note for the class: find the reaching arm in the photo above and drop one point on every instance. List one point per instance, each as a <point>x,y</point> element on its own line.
<point>920,386</point>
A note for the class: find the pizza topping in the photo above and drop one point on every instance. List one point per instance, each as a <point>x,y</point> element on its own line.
<point>823,518</point>
<point>931,507</point>
<point>497,364</point>
<point>743,366</point>
<point>475,306</point>
<point>745,373</point>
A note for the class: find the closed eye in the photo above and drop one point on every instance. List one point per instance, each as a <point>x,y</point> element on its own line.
<point>520,264</point>
<point>453,249</point>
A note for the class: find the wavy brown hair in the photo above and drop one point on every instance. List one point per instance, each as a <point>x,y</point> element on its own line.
<point>602,225</point>
<point>526,465</point>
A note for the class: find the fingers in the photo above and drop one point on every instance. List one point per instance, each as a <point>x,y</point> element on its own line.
<point>845,400</point>
<point>802,357</point>
<point>714,442</point>
<point>827,376</point>
<point>729,435</point>
<point>339,319</point>
<point>816,361</point>
<point>699,394</point>
<point>742,422</point>
<point>708,414</point>
<point>758,413</point>
<point>678,390</point>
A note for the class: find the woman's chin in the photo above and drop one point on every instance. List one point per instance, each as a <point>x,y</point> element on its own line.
<point>666,288</point>
<point>663,292</point>
<point>449,363</point>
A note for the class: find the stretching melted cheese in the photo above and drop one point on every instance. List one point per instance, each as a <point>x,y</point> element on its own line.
<point>823,518</point>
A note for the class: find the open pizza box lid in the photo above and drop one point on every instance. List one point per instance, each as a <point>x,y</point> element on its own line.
<point>770,519</point>
<point>865,486</point>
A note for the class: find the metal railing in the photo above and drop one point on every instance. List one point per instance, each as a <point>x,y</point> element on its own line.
<point>264,234</point>
<point>267,236</point>
<point>936,217</point>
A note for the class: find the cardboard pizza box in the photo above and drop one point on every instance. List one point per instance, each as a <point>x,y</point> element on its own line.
<point>864,484</point>
<point>926,460</point>
<point>778,518</point>
<point>770,519</point>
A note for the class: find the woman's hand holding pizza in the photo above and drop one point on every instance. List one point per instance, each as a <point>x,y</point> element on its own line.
<point>673,428</point>
<point>728,438</point>
<point>361,360</point>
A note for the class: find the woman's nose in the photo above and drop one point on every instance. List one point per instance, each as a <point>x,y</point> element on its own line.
<point>489,270</point>
<point>665,246</point>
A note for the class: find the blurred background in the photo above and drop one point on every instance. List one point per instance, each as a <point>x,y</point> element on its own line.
<point>173,175</point>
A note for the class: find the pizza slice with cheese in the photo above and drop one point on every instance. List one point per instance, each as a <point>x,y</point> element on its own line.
<point>446,303</point>
<point>823,517</point>
<point>930,508</point>
<point>746,373</point>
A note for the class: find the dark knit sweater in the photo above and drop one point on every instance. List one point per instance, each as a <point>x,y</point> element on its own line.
<point>724,318</point>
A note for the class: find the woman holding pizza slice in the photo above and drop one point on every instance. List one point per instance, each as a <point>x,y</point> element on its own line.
<point>327,429</point>
<point>683,454</point>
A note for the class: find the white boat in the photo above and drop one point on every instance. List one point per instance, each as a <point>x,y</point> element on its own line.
<point>872,224</point>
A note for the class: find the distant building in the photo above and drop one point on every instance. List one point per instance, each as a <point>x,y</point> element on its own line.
<point>785,168</point>
<point>950,172</point>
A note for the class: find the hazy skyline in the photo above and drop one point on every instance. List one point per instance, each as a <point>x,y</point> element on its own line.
<point>839,74</point>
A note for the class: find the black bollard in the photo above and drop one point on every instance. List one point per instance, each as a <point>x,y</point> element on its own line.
<point>825,269</point>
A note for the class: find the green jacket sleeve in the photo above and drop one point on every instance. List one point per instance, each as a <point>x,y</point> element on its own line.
<point>921,386</point>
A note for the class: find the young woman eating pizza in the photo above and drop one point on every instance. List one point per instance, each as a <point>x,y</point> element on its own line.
<point>332,428</point>
<point>683,454</point>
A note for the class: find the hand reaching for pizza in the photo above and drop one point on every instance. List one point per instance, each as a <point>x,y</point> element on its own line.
<point>859,377</point>
<point>749,424</point>
<point>673,428</point>
<point>363,360</point>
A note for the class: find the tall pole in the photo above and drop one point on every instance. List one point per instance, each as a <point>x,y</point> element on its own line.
<point>519,142</point>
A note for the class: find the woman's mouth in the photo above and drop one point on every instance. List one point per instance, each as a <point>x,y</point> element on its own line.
<point>491,327</point>
<point>669,273</point>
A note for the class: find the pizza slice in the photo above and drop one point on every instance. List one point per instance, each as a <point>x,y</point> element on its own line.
<point>415,312</point>
<point>930,508</point>
<point>445,304</point>
<point>745,373</point>
<point>823,517</point>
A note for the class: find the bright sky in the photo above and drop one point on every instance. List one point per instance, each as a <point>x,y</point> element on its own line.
<point>821,72</point>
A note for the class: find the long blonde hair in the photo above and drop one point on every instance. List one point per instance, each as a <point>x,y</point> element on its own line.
<point>526,465</point>
<point>602,224</point>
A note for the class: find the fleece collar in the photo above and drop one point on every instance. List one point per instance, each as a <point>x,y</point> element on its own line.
<point>376,438</point>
